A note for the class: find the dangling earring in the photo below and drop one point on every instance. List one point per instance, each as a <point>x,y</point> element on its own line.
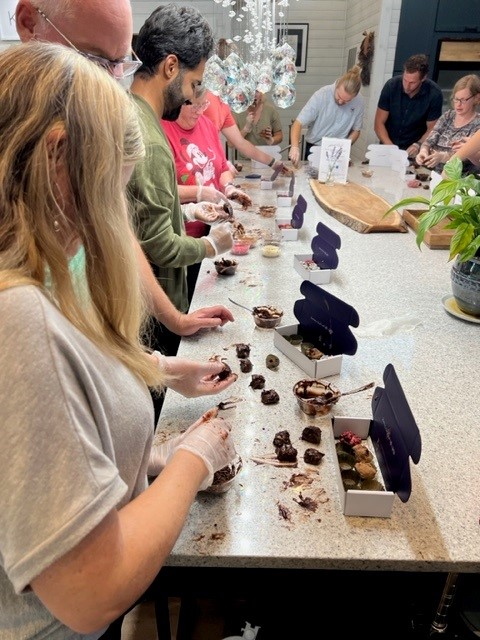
<point>56,225</point>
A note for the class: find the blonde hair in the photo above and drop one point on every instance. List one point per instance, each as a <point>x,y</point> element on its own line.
<point>57,109</point>
<point>471,82</point>
<point>351,81</point>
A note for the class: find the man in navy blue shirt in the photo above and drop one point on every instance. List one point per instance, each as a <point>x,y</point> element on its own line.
<point>408,107</point>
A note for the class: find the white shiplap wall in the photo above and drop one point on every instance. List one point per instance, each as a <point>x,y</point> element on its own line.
<point>335,26</point>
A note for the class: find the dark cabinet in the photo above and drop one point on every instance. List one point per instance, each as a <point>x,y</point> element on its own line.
<point>458,16</point>
<point>427,27</point>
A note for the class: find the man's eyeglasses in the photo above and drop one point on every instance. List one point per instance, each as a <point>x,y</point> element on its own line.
<point>198,108</point>
<point>461,100</point>
<point>117,68</point>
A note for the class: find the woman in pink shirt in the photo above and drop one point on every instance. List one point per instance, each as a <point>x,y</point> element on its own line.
<point>201,165</point>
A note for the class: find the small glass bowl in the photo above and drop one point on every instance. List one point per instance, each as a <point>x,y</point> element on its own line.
<point>316,397</point>
<point>240,247</point>
<point>226,267</point>
<point>224,479</point>
<point>267,322</point>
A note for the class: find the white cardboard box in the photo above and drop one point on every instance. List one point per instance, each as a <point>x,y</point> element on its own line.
<point>356,502</point>
<point>265,183</point>
<point>284,200</point>
<point>287,234</point>
<point>326,366</point>
<point>317,276</point>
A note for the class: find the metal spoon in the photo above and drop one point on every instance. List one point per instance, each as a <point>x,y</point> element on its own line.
<point>241,305</point>
<point>335,398</point>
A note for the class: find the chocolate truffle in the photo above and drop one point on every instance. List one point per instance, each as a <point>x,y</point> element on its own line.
<point>272,361</point>
<point>270,396</point>
<point>245,365</point>
<point>258,381</point>
<point>243,350</point>
<point>287,453</point>
<point>313,456</point>
<point>281,438</point>
<point>312,434</point>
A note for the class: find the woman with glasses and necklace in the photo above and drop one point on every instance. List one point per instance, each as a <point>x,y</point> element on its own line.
<point>453,127</point>
<point>200,163</point>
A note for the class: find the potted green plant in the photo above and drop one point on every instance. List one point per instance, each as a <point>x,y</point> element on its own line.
<point>456,198</point>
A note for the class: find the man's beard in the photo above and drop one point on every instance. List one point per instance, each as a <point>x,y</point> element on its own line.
<point>173,98</point>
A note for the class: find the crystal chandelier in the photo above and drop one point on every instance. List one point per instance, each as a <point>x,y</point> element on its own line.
<point>254,60</point>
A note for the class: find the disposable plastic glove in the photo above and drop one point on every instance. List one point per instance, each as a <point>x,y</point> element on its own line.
<point>436,157</point>
<point>220,237</point>
<point>210,440</point>
<point>294,155</point>
<point>160,453</point>
<point>192,378</point>
<point>240,196</point>
<point>205,211</point>
<point>210,194</point>
<point>422,155</point>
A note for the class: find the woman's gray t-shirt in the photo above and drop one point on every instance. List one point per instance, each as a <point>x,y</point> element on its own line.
<point>76,433</point>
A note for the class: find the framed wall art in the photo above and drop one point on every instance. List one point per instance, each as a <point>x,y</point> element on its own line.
<point>297,37</point>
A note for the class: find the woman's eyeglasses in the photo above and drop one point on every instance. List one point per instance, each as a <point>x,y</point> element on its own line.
<point>461,100</point>
<point>119,69</point>
<point>198,108</point>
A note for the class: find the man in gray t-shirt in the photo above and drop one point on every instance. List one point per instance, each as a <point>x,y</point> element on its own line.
<point>334,111</point>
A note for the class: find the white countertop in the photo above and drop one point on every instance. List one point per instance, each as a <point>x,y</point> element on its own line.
<point>384,276</point>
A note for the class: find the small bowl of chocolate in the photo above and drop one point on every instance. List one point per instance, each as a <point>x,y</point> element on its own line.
<point>316,397</point>
<point>267,316</point>
<point>224,478</point>
<point>226,267</point>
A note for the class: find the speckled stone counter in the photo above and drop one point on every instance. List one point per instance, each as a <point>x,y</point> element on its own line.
<point>386,278</point>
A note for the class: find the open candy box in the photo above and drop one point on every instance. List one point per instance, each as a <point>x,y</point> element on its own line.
<point>324,322</point>
<point>318,266</point>
<point>394,435</point>
<point>289,225</point>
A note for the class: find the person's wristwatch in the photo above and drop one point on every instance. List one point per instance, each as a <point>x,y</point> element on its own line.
<point>272,162</point>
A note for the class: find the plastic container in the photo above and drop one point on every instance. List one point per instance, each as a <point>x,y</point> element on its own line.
<point>240,247</point>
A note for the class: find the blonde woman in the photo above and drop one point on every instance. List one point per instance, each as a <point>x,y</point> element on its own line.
<point>454,126</point>
<point>334,111</point>
<point>82,535</point>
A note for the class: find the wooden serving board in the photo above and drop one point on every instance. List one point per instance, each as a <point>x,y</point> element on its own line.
<point>437,237</point>
<point>357,207</point>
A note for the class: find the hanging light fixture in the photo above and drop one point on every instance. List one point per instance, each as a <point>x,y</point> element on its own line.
<point>253,61</point>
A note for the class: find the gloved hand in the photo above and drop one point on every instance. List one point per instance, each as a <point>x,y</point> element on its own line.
<point>220,237</point>
<point>205,211</point>
<point>209,438</point>
<point>210,194</point>
<point>240,196</point>
<point>436,157</point>
<point>160,453</point>
<point>294,155</point>
<point>192,378</point>
<point>422,155</point>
